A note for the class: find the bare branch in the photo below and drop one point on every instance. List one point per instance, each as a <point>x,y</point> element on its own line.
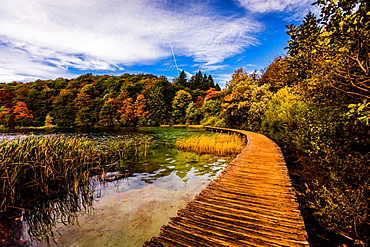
<point>350,92</point>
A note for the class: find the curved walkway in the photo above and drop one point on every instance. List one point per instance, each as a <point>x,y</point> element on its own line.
<point>251,203</point>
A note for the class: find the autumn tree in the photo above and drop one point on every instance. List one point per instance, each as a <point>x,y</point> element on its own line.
<point>345,43</point>
<point>244,106</point>
<point>303,48</point>
<point>84,110</point>
<point>6,98</point>
<point>193,114</point>
<point>40,102</point>
<point>108,113</point>
<point>238,76</point>
<point>159,102</point>
<point>330,57</point>
<point>279,74</point>
<point>22,115</point>
<point>126,110</point>
<point>211,108</point>
<point>6,117</point>
<point>64,111</point>
<point>199,102</point>
<point>211,93</point>
<point>141,109</point>
<point>180,104</point>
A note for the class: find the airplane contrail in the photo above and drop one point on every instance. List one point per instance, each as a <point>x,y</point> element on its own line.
<point>174,58</point>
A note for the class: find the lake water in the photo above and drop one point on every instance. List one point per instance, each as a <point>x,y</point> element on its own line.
<point>131,210</point>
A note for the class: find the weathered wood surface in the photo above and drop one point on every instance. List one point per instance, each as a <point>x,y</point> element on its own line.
<point>251,203</point>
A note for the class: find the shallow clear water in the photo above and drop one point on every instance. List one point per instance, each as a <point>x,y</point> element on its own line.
<point>131,210</point>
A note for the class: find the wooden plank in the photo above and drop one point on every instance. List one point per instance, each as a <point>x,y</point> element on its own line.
<point>251,203</point>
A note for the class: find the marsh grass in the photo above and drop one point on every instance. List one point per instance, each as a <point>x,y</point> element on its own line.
<point>220,144</point>
<point>48,177</point>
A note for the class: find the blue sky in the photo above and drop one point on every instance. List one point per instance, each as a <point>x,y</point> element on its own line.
<point>47,39</point>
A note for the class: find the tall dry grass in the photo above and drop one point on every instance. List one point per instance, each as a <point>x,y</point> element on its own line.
<point>49,177</point>
<point>220,144</point>
<point>39,166</point>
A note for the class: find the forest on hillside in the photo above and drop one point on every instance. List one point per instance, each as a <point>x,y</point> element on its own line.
<point>104,101</point>
<point>314,102</point>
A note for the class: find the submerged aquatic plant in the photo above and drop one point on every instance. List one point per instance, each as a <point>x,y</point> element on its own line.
<point>220,144</point>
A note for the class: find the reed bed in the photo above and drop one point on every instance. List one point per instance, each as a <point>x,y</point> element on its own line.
<point>220,144</point>
<point>38,166</point>
<point>48,177</point>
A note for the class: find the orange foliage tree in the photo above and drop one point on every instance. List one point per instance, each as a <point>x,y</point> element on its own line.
<point>22,115</point>
<point>140,106</point>
<point>199,102</point>
<point>126,110</point>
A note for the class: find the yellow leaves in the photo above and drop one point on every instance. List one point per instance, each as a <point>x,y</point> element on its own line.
<point>211,93</point>
<point>229,97</point>
<point>243,104</point>
<point>238,76</point>
<point>140,97</point>
<point>4,111</point>
<point>140,106</point>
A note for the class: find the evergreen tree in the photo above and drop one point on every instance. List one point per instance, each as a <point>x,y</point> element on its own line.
<point>211,83</point>
<point>196,81</point>
<point>181,80</point>
<point>204,84</point>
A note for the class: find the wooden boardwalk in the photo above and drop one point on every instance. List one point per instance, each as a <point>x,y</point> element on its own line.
<point>251,203</point>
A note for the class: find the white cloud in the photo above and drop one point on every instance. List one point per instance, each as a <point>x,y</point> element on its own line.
<point>222,79</point>
<point>188,75</point>
<point>211,67</point>
<point>9,76</point>
<point>108,35</point>
<point>18,65</point>
<point>266,6</point>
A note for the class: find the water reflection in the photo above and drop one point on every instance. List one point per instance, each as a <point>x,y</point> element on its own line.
<point>40,217</point>
<point>131,211</point>
<point>131,203</point>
